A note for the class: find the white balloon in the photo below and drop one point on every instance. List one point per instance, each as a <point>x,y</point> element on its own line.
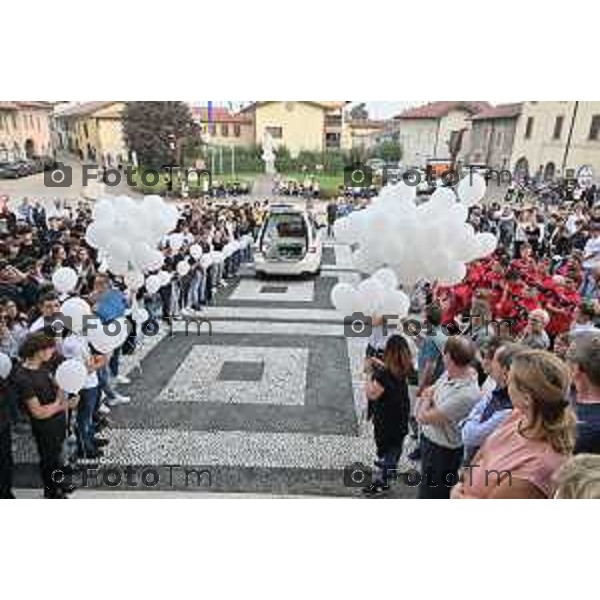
<point>183,268</point>
<point>164,278</point>
<point>64,280</point>
<point>153,284</point>
<point>71,376</point>
<point>455,273</point>
<point>442,198</point>
<point>471,189</point>
<point>371,296</point>
<point>487,243</point>
<point>140,251</point>
<point>117,266</point>
<point>387,278</point>
<point>134,280</point>
<point>176,241</point>
<point>98,234</point>
<point>458,213</point>
<point>103,211</point>
<point>140,315</point>
<point>76,309</point>
<point>196,251</point>
<point>343,297</point>
<point>5,365</point>
<point>169,217</point>
<point>395,302</point>
<point>119,250</point>
<point>153,261</point>
<point>343,232</point>
<point>110,336</point>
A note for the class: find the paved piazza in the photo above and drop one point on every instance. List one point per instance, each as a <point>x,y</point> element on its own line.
<point>270,403</point>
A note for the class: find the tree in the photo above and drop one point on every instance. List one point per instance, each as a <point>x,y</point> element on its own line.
<point>151,129</point>
<point>359,112</point>
<point>389,150</point>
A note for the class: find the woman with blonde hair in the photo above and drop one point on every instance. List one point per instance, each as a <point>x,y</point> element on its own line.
<point>579,478</point>
<point>520,458</point>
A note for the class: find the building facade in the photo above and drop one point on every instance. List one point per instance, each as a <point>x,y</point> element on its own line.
<point>93,131</point>
<point>557,138</point>
<point>434,130</point>
<point>492,136</point>
<point>362,134</point>
<point>298,125</point>
<point>25,129</point>
<point>224,128</point>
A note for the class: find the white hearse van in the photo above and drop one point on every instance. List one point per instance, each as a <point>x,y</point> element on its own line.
<point>288,243</point>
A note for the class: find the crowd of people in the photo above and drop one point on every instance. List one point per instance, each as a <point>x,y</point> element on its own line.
<point>508,373</point>
<point>35,241</point>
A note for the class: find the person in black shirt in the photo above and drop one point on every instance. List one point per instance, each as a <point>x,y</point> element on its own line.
<point>387,392</point>
<point>332,211</point>
<point>6,463</point>
<point>46,405</point>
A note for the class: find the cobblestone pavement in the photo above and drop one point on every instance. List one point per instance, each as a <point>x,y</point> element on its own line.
<point>270,403</point>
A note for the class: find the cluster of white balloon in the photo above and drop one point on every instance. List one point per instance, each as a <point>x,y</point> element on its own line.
<point>377,295</point>
<point>431,241</point>
<point>127,232</point>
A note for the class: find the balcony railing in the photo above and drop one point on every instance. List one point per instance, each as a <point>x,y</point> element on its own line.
<point>333,121</point>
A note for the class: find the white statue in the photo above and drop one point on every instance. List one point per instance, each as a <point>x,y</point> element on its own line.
<point>268,154</point>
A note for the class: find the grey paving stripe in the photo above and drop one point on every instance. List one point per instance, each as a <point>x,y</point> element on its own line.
<point>322,296</point>
<point>328,256</point>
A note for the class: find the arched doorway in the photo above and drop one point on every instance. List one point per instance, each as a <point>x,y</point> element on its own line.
<point>522,169</point>
<point>3,153</point>
<point>549,171</point>
<point>29,148</point>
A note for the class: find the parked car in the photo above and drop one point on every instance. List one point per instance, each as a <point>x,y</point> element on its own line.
<point>14,170</point>
<point>288,243</point>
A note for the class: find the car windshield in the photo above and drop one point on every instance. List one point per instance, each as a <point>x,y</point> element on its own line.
<point>285,225</point>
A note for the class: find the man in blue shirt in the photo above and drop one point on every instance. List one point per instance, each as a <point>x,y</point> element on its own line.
<point>494,408</point>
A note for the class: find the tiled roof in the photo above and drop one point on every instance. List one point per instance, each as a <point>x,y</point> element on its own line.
<point>435,110</point>
<point>17,104</point>
<point>219,115</point>
<point>84,108</point>
<point>502,111</point>
<point>328,104</point>
<point>365,124</point>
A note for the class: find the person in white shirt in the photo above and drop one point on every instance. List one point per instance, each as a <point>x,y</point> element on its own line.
<point>76,347</point>
<point>584,319</point>
<point>573,219</point>
<point>591,259</point>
